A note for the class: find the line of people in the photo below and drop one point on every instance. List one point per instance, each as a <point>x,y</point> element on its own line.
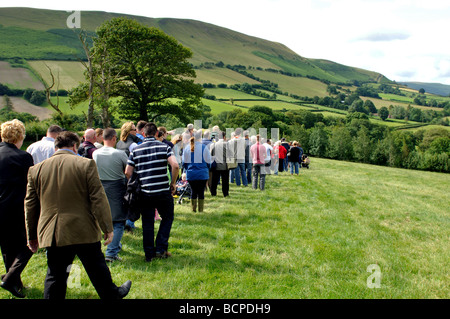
<point>70,201</point>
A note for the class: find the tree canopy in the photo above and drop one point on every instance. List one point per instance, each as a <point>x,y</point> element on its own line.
<point>152,68</point>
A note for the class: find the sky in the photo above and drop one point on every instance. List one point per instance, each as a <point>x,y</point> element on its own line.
<point>405,40</point>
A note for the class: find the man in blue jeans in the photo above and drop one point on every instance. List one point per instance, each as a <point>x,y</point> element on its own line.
<point>150,161</point>
<point>111,165</point>
<point>239,147</point>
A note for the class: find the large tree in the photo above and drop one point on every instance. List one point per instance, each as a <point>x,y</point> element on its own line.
<point>155,75</point>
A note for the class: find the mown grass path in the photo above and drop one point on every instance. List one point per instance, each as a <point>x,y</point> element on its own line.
<point>307,236</point>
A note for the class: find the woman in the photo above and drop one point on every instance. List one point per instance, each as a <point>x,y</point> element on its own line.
<point>14,164</point>
<point>128,139</point>
<point>294,157</point>
<point>281,151</point>
<point>197,161</point>
<point>177,150</point>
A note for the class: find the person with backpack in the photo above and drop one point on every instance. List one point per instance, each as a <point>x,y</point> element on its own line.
<point>87,147</point>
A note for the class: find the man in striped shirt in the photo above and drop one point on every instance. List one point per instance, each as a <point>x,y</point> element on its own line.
<point>149,160</point>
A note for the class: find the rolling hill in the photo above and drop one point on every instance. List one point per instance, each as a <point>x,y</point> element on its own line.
<point>37,34</point>
<point>433,88</point>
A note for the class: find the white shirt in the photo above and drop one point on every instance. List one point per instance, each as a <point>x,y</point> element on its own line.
<point>269,149</point>
<point>42,149</point>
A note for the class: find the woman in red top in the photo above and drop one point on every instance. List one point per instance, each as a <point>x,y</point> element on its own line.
<point>282,152</point>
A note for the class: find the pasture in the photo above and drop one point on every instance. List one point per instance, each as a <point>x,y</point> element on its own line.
<point>18,77</point>
<point>311,236</point>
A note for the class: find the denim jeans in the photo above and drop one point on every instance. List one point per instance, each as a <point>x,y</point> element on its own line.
<point>115,246</point>
<point>286,164</point>
<point>164,204</point>
<point>259,169</point>
<point>294,164</point>
<point>248,171</point>
<point>240,172</point>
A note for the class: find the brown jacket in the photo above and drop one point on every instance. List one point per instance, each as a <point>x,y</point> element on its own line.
<point>66,202</point>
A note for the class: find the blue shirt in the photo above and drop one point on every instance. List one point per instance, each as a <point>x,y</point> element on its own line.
<point>149,160</point>
<point>197,163</point>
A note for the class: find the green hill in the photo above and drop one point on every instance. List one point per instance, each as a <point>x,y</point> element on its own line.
<point>37,34</point>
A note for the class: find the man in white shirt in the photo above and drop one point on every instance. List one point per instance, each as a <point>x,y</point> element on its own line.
<point>43,149</point>
<point>269,149</point>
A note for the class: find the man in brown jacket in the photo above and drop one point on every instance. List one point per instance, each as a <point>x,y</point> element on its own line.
<point>66,211</point>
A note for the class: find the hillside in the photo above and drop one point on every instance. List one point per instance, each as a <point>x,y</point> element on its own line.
<point>433,88</point>
<point>37,34</point>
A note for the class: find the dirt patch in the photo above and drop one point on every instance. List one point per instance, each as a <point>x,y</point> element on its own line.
<point>21,105</point>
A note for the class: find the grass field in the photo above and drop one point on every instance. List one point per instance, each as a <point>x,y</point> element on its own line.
<point>70,73</point>
<point>309,236</point>
<point>17,78</point>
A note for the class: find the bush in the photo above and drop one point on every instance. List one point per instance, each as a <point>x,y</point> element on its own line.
<point>38,97</point>
<point>35,130</point>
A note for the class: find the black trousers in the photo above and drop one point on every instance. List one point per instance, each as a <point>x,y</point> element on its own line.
<point>216,176</point>
<point>164,204</point>
<point>198,189</point>
<point>59,260</point>
<point>15,253</point>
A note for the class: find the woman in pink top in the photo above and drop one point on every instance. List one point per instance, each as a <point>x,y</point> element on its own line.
<point>258,154</point>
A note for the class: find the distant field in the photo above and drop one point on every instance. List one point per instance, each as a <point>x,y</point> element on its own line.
<point>18,78</point>
<point>218,107</point>
<point>70,73</point>
<point>221,75</point>
<point>274,105</point>
<point>230,94</point>
<point>294,85</point>
<point>380,103</point>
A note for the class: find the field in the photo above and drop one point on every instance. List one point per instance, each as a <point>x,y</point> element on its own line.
<point>70,73</point>
<point>18,77</point>
<point>311,236</point>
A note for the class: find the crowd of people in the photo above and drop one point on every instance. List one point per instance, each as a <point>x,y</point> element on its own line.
<point>64,194</point>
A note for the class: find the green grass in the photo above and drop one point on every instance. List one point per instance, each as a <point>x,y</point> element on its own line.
<point>308,236</point>
<point>70,73</point>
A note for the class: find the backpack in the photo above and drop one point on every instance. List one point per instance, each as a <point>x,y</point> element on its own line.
<point>83,150</point>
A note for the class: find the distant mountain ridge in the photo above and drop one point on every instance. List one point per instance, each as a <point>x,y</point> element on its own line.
<point>434,88</point>
<point>39,34</point>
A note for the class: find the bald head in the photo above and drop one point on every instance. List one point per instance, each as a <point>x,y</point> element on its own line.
<point>89,135</point>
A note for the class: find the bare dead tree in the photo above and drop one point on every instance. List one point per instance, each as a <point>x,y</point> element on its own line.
<point>48,89</point>
<point>90,72</point>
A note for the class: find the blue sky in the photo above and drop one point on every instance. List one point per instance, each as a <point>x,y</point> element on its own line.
<point>406,40</point>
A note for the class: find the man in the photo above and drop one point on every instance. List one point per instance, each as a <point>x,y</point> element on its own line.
<point>149,160</point>
<point>219,153</point>
<point>87,147</point>
<point>66,211</point>
<point>14,165</point>
<point>258,153</point>
<point>111,165</point>
<point>248,159</point>
<point>268,145</point>
<point>238,145</point>
<point>139,130</point>
<point>44,148</point>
